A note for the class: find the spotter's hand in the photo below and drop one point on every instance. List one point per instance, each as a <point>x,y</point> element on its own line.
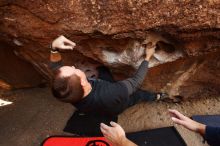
<point>186,122</point>
<point>114,133</point>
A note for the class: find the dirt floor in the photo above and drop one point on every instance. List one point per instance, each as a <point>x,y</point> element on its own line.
<point>34,115</point>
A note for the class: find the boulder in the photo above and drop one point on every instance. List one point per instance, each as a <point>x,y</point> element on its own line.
<point>185,33</point>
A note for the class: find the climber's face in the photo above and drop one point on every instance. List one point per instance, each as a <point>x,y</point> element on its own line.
<point>67,71</point>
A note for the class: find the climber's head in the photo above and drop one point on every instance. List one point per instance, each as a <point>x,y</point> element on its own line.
<point>68,84</point>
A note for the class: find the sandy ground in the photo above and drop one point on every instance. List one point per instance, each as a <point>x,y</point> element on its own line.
<point>35,114</point>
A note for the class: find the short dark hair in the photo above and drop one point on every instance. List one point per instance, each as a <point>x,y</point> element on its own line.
<point>67,89</point>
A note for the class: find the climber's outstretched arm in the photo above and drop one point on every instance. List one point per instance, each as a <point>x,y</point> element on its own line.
<point>60,43</point>
<point>137,79</point>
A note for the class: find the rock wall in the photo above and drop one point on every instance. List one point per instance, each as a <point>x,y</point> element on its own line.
<point>186,34</point>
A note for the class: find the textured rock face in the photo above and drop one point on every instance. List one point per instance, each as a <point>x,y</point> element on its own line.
<point>15,72</point>
<point>186,33</point>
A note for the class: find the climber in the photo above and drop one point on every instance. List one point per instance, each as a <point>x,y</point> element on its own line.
<point>103,95</point>
<point>115,134</point>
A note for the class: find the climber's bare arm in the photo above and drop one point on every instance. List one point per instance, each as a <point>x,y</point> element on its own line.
<point>60,43</point>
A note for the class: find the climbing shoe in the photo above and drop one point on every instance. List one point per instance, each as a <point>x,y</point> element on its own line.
<point>166,98</point>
